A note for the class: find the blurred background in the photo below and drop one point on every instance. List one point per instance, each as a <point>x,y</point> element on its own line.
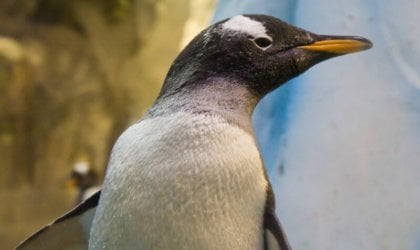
<point>73,76</point>
<point>341,142</point>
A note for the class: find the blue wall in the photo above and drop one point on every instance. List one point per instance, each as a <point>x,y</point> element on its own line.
<point>342,141</point>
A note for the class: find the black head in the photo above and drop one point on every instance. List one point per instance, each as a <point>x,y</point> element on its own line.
<point>258,51</point>
<point>82,176</point>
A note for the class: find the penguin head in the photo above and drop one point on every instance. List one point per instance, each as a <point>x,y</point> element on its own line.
<point>82,176</point>
<point>260,52</point>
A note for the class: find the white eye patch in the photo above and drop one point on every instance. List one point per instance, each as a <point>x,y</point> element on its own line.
<point>81,167</point>
<point>246,25</point>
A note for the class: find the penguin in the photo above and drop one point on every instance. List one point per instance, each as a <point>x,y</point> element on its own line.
<point>85,179</point>
<point>189,174</point>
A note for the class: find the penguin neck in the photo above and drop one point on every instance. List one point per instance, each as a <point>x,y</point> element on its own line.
<point>228,99</point>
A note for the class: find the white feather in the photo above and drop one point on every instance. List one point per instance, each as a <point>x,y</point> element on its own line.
<point>182,181</point>
<point>245,25</point>
<point>82,167</point>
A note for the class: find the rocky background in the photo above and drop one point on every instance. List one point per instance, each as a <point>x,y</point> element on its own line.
<point>73,76</point>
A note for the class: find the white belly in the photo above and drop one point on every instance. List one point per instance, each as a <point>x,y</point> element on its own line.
<point>182,182</point>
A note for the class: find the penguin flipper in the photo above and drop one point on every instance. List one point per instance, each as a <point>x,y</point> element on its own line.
<point>274,235</point>
<point>70,231</point>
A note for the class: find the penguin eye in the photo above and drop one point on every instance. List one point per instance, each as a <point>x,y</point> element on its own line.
<point>262,42</point>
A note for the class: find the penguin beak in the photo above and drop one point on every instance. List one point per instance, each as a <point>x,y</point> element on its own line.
<point>338,45</point>
<point>322,47</point>
<point>71,184</point>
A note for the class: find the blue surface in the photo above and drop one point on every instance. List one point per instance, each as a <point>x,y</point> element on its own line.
<point>342,141</point>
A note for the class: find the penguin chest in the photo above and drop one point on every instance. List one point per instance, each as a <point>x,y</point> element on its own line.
<point>198,184</point>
